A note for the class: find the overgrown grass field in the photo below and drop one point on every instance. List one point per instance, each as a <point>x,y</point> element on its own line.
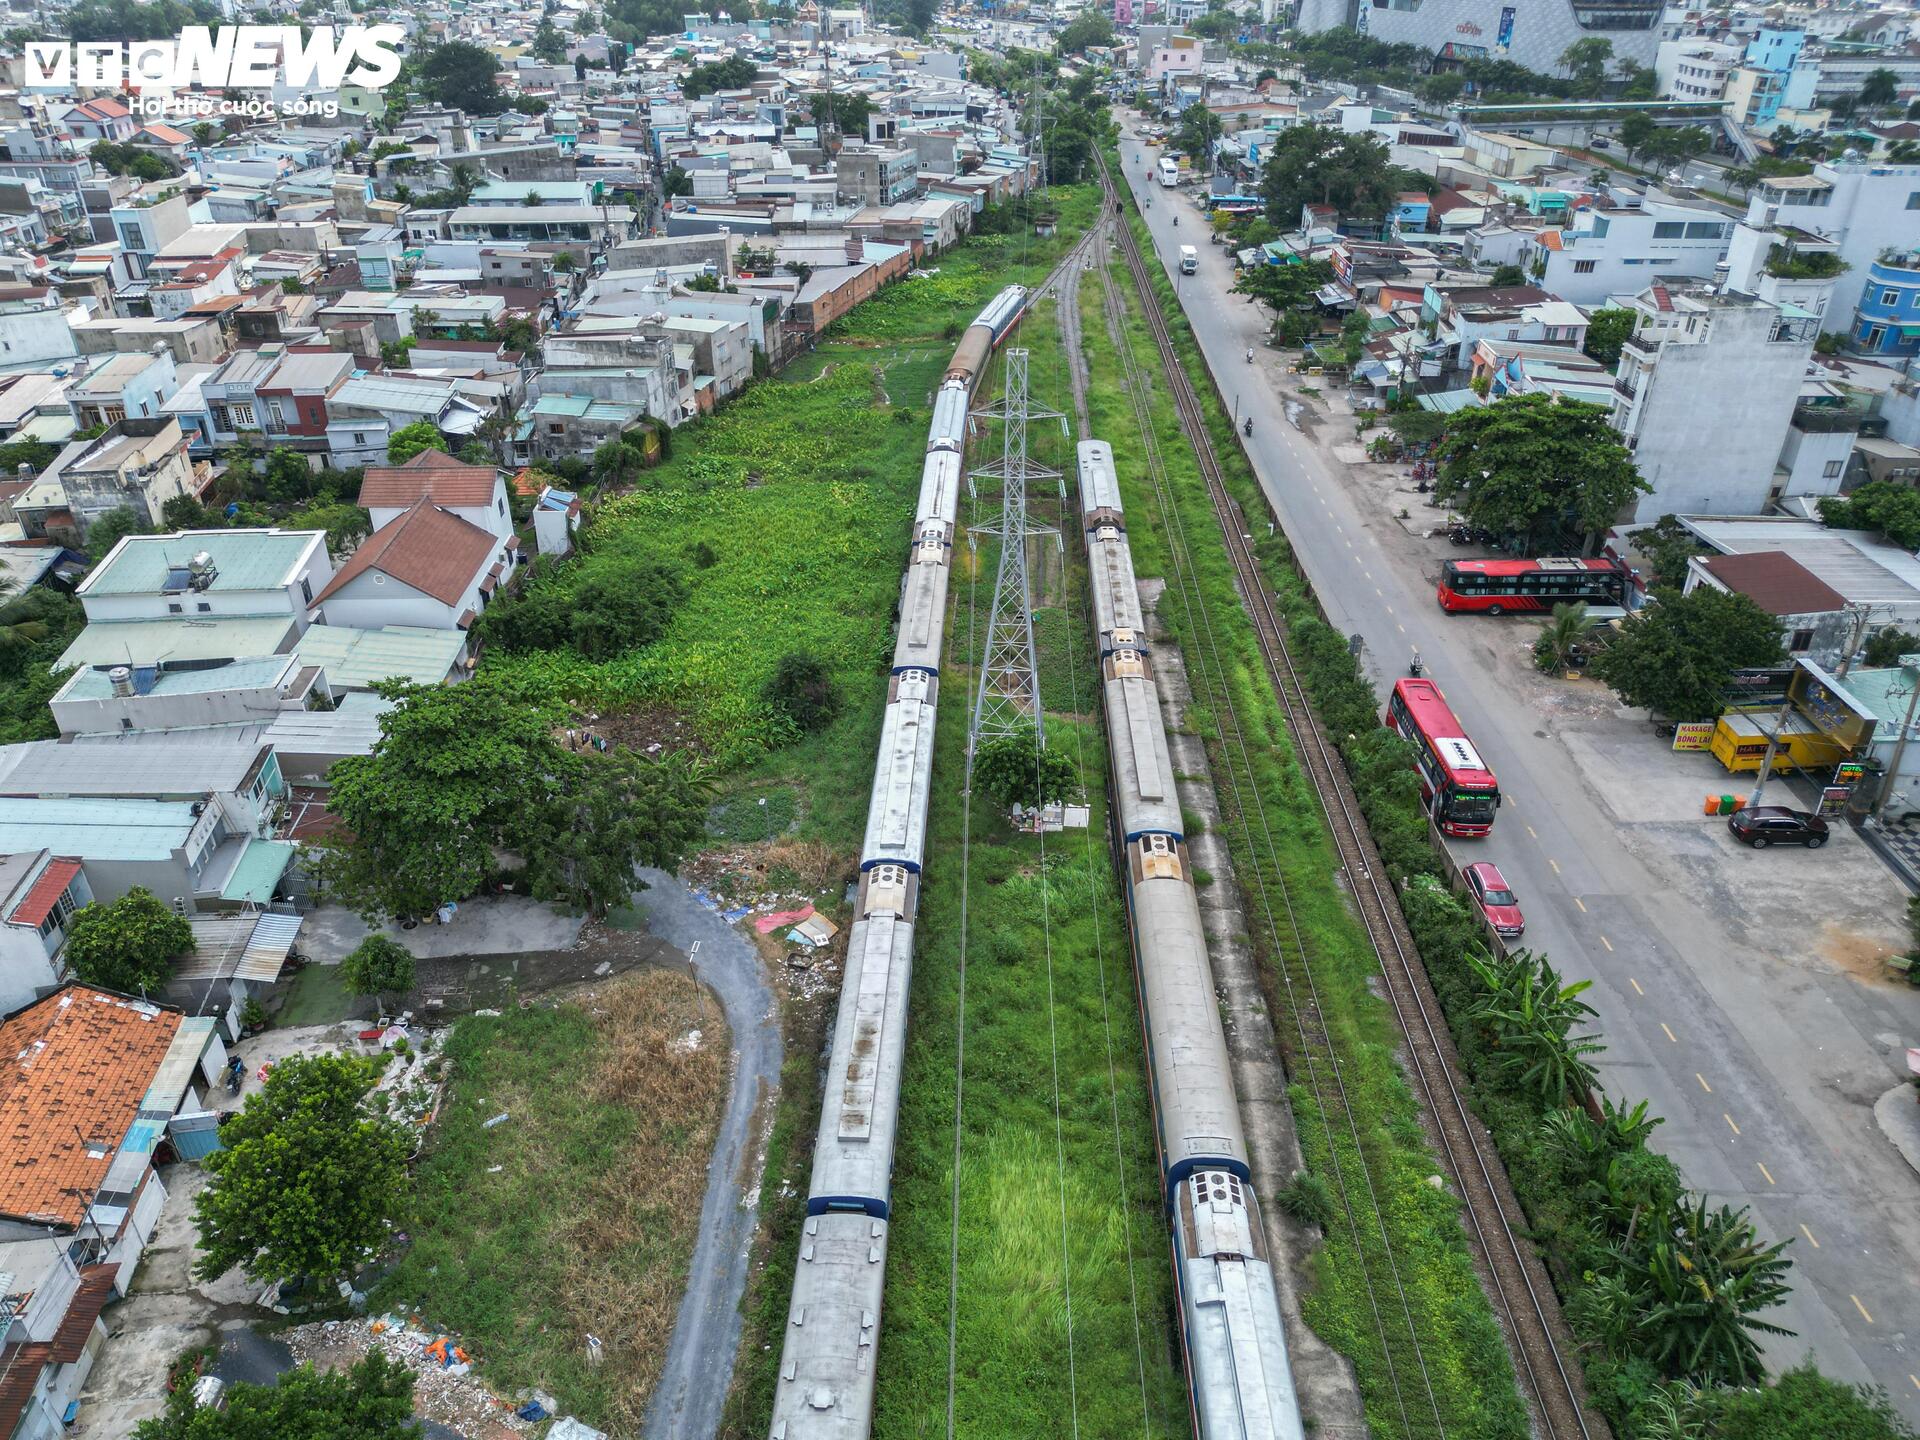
<point>577,1214</point>
<point>1460,1343</point>
<point>1053,1216</point>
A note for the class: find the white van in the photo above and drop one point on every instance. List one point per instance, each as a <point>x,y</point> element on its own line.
<point>1189,260</point>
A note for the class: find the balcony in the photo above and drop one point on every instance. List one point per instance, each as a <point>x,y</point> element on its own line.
<point>1823,418</point>
<point>1897,260</point>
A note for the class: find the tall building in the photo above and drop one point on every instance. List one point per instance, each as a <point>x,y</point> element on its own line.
<point>1533,33</point>
<point>1869,212</point>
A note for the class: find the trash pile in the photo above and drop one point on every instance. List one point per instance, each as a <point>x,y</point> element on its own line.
<point>445,1387</point>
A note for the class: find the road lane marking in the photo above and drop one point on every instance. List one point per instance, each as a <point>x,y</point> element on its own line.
<point>1670,1035</point>
<point>1533,832</point>
<point>1766,1172</point>
<point>1861,1308</point>
<point>1609,944</point>
<point>1401,628</point>
<point>1703,1082</point>
<point>1581,903</point>
<point>1378,591</point>
<point>1729,1119</point>
<point>1809,1234</point>
<point>1630,980</point>
<point>1389,609</point>
<point>1554,863</point>
<point>1916,1381</point>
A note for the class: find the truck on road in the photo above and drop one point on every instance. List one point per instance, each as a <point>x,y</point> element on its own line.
<point>1189,259</point>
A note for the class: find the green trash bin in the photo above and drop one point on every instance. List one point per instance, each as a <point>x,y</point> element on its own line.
<point>1726,804</point>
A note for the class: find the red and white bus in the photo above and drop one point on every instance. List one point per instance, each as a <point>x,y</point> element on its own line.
<point>1455,782</point>
<point>1496,586</point>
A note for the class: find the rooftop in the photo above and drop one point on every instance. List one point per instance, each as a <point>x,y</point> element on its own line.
<point>432,550</point>
<point>360,659</point>
<point>1857,564</point>
<point>96,828</point>
<point>256,673</point>
<point>77,1066</point>
<point>240,560</point>
<point>1775,581</point>
<point>147,642</point>
<point>48,768</point>
<point>433,474</point>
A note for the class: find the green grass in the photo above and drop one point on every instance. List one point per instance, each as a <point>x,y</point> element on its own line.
<point>1460,1342</point>
<point>1024,901</point>
<point>577,1214</point>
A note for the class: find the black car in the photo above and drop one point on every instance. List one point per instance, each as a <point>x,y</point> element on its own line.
<point>1765,825</point>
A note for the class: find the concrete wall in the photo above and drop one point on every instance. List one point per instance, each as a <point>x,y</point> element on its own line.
<point>370,605</point>
<point>42,333</point>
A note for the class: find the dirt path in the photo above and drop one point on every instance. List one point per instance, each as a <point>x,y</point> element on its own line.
<point>692,1389</point>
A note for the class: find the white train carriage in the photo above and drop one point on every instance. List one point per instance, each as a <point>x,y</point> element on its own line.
<point>1230,1314</point>
<point>923,599</point>
<point>1196,1113</point>
<point>828,1361</point>
<point>1230,1325</point>
<point>940,478</point>
<point>949,428</point>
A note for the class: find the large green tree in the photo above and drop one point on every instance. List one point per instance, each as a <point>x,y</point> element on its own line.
<point>1542,470</point>
<point>1014,770</point>
<point>311,1177</point>
<point>734,73</point>
<point>1586,62</point>
<point>379,965</point>
<point>1607,330</point>
<point>1676,657</point>
<point>1804,1403</point>
<point>371,1401</point>
<point>1883,505</point>
<point>463,772</point>
<point>1199,127</point>
<point>461,75</point>
<point>409,440</point>
<point>1880,89</point>
<point>1700,1285</point>
<point>127,945</point>
<point>1317,165</point>
<point>1089,27</point>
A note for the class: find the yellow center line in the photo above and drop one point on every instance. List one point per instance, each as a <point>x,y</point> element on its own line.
<point>1809,1234</point>
<point>1630,980</point>
<point>1729,1119</point>
<point>1581,903</point>
<point>1554,863</point>
<point>1766,1172</point>
<point>1703,1082</point>
<point>1670,1035</point>
<point>1916,1381</point>
<point>1864,1315</point>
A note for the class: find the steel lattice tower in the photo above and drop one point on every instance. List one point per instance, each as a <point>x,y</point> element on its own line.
<point>1009,679</point>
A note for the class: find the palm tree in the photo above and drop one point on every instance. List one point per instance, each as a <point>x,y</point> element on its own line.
<point>461,179</point>
<point>1700,1290</point>
<point>1564,631</point>
<point>1880,89</point>
<point>1530,1016</point>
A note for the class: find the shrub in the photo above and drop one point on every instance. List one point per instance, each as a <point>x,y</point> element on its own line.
<point>802,689</point>
<point>1014,770</point>
<point>128,945</point>
<point>1308,1200</point>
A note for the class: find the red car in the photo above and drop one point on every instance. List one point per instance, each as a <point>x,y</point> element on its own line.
<point>1489,890</point>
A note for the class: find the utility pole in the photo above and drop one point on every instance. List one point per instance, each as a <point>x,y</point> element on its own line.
<point>1009,678</point>
<point>1909,665</point>
<point>1773,748</point>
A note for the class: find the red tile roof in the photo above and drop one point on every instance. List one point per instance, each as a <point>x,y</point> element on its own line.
<point>20,1367</point>
<point>1776,582</point>
<point>96,1288</point>
<point>433,550</point>
<point>431,474</point>
<point>73,1070</point>
<point>39,900</point>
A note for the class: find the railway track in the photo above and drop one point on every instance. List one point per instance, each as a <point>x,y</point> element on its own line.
<point>1522,1293</point>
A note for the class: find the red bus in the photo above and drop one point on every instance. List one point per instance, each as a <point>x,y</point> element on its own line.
<point>1496,586</point>
<point>1454,781</point>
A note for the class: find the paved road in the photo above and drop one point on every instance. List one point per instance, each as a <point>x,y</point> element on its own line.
<point>693,1385</point>
<point>1754,1061</point>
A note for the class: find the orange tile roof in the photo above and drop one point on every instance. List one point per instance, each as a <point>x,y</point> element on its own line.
<point>433,474</point>
<point>73,1065</point>
<point>433,550</point>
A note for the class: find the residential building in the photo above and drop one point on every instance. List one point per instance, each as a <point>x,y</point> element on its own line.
<point>876,175</point>
<point>39,892</point>
<point>556,516</point>
<point>1865,208</point>
<point>1618,249</point>
<point>367,409</point>
<point>1533,33</point>
<point>295,394</point>
<point>1462,317</point>
<point>476,493</point>
<point>1887,321</point>
<point>1815,622</point>
<point>593,226</point>
<point>427,568</point>
<point>1695,68</point>
<point>153,694</point>
<point>137,464</point>
<point>1705,395</point>
<point>122,386</point>
<point>248,593</point>
<point>147,224</point>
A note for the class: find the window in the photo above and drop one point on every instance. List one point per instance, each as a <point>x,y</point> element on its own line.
<point>273,412</point>
<point>1706,230</point>
<point>1913,200</point>
<point>306,589</point>
<point>500,506</point>
<point>1834,467</point>
<point>1669,230</point>
<point>203,607</point>
<point>1802,641</point>
<point>243,417</point>
<point>1584,267</point>
<point>1890,298</point>
<point>359,437</point>
<point>173,607</point>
